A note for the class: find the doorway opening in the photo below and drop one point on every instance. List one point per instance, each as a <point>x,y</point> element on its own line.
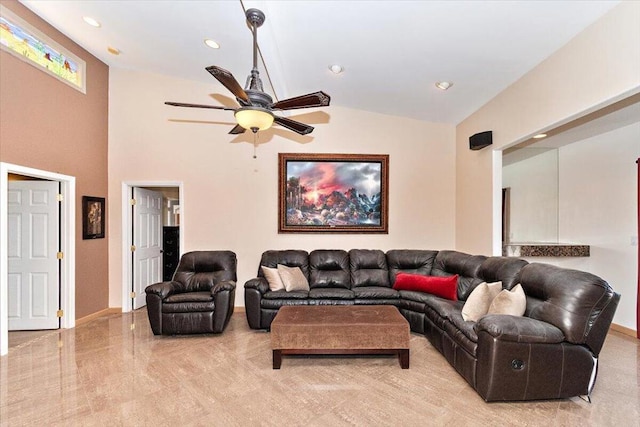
<point>66,245</point>
<point>152,238</point>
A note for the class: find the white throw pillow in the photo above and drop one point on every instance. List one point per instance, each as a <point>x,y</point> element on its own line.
<point>479,301</point>
<point>273,277</point>
<point>293,278</point>
<point>513,302</point>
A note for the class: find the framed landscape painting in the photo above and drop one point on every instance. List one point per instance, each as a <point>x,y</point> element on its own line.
<point>327,193</point>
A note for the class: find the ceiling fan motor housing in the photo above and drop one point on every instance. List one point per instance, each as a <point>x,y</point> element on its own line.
<point>259,98</point>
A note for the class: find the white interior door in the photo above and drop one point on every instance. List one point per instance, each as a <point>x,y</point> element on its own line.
<point>33,234</point>
<point>147,242</point>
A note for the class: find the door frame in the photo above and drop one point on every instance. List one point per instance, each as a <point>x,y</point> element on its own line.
<point>67,245</point>
<point>127,224</point>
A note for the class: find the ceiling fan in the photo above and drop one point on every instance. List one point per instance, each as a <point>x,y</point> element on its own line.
<point>256,108</point>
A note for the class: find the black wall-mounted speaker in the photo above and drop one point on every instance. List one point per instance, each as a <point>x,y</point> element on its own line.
<point>480,140</point>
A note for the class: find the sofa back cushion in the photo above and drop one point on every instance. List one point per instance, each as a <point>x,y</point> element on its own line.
<point>198,271</point>
<point>290,258</point>
<point>448,263</point>
<point>578,303</point>
<point>368,268</point>
<point>412,261</point>
<point>502,269</point>
<point>329,268</point>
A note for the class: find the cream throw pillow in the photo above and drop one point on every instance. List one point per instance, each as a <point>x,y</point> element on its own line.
<point>273,277</point>
<point>479,301</point>
<point>293,278</point>
<point>512,302</point>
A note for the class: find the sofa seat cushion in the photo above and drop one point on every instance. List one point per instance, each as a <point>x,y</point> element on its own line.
<point>376,292</point>
<point>462,334</point>
<point>189,306</point>
<point>203,296</point>
<point>441,310</point>
<point>286,295</point>
<point>275,304</point>
<point>467,328</point>
<point>415,306</point>
<point>331,293</point>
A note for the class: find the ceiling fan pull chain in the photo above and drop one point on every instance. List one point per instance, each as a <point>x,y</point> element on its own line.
<point>255,144</point>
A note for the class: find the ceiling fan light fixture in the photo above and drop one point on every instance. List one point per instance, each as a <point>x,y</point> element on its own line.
<point>254,118</point>
<point>212,44</point>
<point>444,85</point>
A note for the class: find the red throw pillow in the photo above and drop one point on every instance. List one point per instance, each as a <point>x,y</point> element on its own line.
<point>445,287</point>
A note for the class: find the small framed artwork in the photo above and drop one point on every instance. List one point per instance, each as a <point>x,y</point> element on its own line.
<point>93,215</point>
<point>329,193</point>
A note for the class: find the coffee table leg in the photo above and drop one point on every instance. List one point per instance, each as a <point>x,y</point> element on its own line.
<point>403,355</point>
<point>277,359</point>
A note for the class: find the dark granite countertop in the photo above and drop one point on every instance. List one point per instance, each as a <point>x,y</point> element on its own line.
<point>532,249</point>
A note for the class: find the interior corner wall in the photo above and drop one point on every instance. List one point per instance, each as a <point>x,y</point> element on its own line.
<point>47,125</point>
<point>597,66</point>
<point>231,199</point>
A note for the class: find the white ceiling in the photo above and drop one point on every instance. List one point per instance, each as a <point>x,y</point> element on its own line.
<point>393,52</point>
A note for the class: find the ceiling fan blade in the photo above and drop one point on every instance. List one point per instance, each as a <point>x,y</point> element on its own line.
<point>213,107</point>
<point>237,129</point>
<point>316,99</point>
<point>228,81</point>
<point>297,127</point>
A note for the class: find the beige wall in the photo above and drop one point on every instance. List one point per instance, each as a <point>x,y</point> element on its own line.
<point>47,125</point>
<point>599,65</point>
<point>231,198</point>
<point>598,206</point>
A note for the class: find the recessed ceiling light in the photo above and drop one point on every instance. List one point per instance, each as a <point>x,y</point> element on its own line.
<point>89,20</point>
<point>444,85</point>
<point>540,135</point>
<point>212,44</point>
<point>114,51</point>
<point>336,69</point>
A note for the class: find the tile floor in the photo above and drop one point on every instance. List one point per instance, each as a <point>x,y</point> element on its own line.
<point>113,371</point>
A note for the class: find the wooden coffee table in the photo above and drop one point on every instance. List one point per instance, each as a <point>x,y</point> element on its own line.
<point>329,329</point>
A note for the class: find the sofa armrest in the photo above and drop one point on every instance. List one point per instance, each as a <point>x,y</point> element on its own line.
<point>156,293</point>
<point>162,289</point>
<point>226,285</point>
<point>254,289</point>
<point>519,329</point>
<point>259,283</point>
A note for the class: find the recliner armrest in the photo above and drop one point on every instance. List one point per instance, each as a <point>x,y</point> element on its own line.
<point>258,283</point>
<point>162,289</point>
<point>519,329</point>
<point>227,285</point>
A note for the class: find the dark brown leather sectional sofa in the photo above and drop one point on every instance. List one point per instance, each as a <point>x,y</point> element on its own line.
<point>551,352</point>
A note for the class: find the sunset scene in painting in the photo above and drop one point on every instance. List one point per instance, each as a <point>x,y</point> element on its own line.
<point>333,193</point>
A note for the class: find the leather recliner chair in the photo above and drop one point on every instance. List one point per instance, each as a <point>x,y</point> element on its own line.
<point>199,299</point>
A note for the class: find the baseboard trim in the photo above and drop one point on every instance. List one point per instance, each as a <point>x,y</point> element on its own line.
<point>624,330</point>
<point>93,316</point>
<point>239,309</point>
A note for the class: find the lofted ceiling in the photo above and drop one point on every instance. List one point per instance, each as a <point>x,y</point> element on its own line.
<point>392,52</point>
